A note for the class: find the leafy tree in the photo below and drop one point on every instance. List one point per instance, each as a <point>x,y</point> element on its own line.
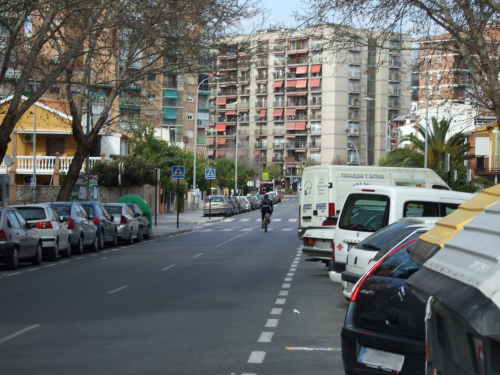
<point>275,171</point>
<point>403,157</point>
<point>225,173</point>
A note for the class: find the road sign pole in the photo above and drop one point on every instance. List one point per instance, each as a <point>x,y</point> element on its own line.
<point>210,201</point>
<point>178,204</point>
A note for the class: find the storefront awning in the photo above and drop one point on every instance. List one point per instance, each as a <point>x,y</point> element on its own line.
<point>262,113</point>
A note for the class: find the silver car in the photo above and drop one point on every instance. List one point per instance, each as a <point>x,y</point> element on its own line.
<point>18,242</point>
<point>53,232</point>
<point>145,227</point>
<point>124,217</point>
<point>244,204</point>
<point>82,231</point>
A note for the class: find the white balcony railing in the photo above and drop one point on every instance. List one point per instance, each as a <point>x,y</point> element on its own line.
<point>44,164</point>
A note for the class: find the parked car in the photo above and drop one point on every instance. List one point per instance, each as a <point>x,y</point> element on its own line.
<point>236,206</point>
<point>244,204</point>
<point>124,218</point>
<point>82,231</point>
<point>53,232</point>
<point>217,205</point>
<point>382,241</point>
<point>144,224</point>
<point>18,242</point>
<point>254,201</point>
<point>107,230</point>
<point>384,329</point>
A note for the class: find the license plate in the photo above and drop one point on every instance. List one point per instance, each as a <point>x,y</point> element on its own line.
<point>381,360</point>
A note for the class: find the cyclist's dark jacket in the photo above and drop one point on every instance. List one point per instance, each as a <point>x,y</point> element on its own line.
<point>266,206</point>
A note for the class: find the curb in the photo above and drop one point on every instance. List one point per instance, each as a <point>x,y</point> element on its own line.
<point>173,233</point>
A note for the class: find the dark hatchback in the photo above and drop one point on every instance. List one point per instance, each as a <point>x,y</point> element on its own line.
<point>384,328</point>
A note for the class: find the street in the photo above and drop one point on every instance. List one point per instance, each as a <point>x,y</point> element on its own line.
<point>225,299</point>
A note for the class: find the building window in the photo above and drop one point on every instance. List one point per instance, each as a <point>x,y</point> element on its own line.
<point>354,86</point>
<point>189,116</point>
<point>315,99</point>
<point>279,73</point>
<point>151,77</point>
<point>189,98</point>
<point>279,100</point>
<point>169,102</point>
<point>55,146</point>
<point>297,44</point>
<point>279,60</point>
<point>315,127</point>
<point>355,72</point>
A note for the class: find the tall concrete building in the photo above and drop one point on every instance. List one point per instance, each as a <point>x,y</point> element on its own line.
<point>293,98</point>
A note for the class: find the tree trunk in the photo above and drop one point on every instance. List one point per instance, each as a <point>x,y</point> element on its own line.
<point>6,128</point>
<point>73,173</point>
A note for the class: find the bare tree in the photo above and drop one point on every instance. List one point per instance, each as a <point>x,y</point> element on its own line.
<point>469,29</point>
<point>31,57</point>
<point>138,38</point>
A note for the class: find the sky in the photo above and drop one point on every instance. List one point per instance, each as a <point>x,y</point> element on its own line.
<point>277,12</point>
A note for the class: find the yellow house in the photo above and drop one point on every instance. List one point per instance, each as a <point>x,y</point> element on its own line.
<point>41,144</point>
<point>485,148</point>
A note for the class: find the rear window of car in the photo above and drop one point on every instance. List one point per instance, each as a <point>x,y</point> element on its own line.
<point>387,237</point>
<point>32,213</point>
<point>62,209</point>
<point>365,213</point>
<point>90,209</point>
<point>399,265</point>
<point>428,209</point>
<point>114,210</point>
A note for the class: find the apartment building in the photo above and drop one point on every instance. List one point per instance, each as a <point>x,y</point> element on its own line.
<point>292,98</point>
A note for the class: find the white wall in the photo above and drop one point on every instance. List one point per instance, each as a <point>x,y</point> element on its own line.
<point>110,144</point>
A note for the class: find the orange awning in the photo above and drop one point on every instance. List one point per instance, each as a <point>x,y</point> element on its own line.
<point>301,84</point>
<point>221,101</point>
<point>221,141</point>
<point>316,82</point>
<point>301,70</point>
<point>291,112</point>
<point>291,83</point>
<point>277,83</point>
<point>220,127</point>
<point>278,112</point>
<point>262,113</point>
<point>315,68</point>
<point>230,113</point>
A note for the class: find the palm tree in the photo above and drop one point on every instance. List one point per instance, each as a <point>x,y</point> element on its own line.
<point>440,142</point>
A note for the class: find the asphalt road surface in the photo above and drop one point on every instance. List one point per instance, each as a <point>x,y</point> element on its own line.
<point>224,299</point>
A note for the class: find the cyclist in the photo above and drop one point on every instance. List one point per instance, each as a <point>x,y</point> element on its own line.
<point>266,207</point>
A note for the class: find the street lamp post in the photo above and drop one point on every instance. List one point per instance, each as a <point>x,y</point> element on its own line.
<point>195,140</point>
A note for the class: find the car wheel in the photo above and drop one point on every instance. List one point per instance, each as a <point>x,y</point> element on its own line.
<point>54,252</point>
<point>147,235</point>
<point>95,244</point>
<point>13,261</point>
<point>140,235</point>
<point>101,241</point>
<point>131,238</point>
<point>37,258</point>
<point>80,247</point>
<point>69,251</point>
<point>115,239</point>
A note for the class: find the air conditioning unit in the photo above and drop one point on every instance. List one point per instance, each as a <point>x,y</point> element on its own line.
<point>28,138</point>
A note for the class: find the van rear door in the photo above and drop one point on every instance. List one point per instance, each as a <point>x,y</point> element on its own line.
<point>315,196</point>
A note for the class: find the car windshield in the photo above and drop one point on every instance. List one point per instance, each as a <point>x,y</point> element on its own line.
<point>113,210</point>
<point>398,265</point>
<point>32,213</point>
<point>90,209</point>
<point>366,213</point>
<point>62,209</point>
<point>387,237</point>
<point>216,199</point>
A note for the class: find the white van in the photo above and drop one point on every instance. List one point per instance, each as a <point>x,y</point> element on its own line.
<point>325,187</point>
<point>369,208</point>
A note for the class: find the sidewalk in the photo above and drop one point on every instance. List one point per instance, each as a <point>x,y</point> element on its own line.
<point>188,220</point>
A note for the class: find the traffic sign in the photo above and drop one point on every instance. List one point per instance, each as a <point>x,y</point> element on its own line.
<point>210,174</point>
<point>177,172</point>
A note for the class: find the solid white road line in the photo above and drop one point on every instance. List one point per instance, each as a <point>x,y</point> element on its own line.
<point>206,230</point>
<point>280,301</point>
<point>265,337</point>
<point>276,311</point>
<point>12,274</point>
<point>168,267</point>
<point>272,323</point>
<point>313,349</point>
<point>248,373</point>
<point>283,293</point>
<point>197,255</point>
<point>117,289</point>
<point>231,239</point>
<point>228,220</point>
<point>256,357</point>
<point>18,333</point>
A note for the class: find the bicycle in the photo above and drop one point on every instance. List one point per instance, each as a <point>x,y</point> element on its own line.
<point>267,220</point>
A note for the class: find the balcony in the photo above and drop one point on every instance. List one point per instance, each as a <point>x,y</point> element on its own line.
<point>315,145</point>
<point>130,103</point>
<point>45,165</point>
<point>278,146</point>
<point>486,166</point>
<point>277,159</point>
<point>260,146</point>
<point>295,145</point>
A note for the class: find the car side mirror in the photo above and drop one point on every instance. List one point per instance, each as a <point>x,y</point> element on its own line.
<point>111,217</point>
<point>63,219</point>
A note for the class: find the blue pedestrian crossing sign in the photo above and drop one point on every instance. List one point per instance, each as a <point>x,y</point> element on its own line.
<point>177,172</point>
<point>210,174</point>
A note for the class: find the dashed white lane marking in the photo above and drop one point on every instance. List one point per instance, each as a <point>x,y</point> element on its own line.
<point>285,285</point>
<point>228,220</point>
<point>276,311</point>
<point>207,230</point>
<point>272,323</point>
<point>277,220</point>
<point>246,229</point>
<point>114,291</point>
<point>18,333</point>
<point>256,357</point>
<point>313,349</point>
<point>197,255</point>
<point>245,220</point>
<point>280,301</point>
<point>288,279</point>
<point>283,293</point>
<point>248,373</point>
<point>290,274</point>
<point>168,267</point>
<point>231,239</point>
<point>292,220</point>
<point>286,229</point>
<point>266,337</point>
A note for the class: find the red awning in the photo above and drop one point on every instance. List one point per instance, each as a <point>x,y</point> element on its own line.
<point>243,111</point>
<point>300,126</point>
<point>230,113</point>
<point>278,112</point>
<point>301,84</point>
<point>297,94</point>
<point>301,70</point>
<point>291,135</point>
<point>278,84</point>
<point>221,141</point>
<point>291,83</point>
<point>316,82</point>
<point>256,153</point>
<point>291,112</point>
<point>290,126</point>
<point>221,101</point>
<point>211,141</point>
<point>262,113</point>
<point>220,127</point>
<point>315,68</point>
